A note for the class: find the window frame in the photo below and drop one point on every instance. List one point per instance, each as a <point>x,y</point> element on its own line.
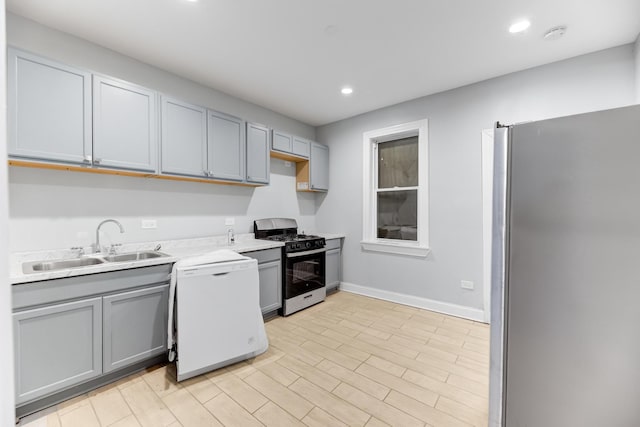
<point>371,139</point>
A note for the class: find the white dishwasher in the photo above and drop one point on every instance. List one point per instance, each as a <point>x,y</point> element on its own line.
<point>218,318</point>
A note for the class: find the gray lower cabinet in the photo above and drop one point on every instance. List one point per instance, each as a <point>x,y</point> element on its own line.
<point>71,332</point>
<point>333,263</point>
<point>134,325</point>
<point>49,109</point>
<point>124,125</point>
<point>183,138</point>
<point>56,347</point>
<point>226,147</point>
<point>258,159</point>
<point>270,272</point>
<point>319,167</point>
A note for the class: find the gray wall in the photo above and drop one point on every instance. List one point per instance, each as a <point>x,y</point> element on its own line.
<point>52,209</point>
<point>592,82</point>
<point>6,326</point>
<point>637,53</point>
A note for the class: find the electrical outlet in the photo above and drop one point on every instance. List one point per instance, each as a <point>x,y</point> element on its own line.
<point>465,284</point>
<point>287,164</point>
<point>229,221</point>
<point>149,223</point>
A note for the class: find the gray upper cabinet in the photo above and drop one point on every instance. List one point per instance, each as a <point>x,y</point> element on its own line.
<point>281,142</point>
<point>226,148</point>
<point>258,159</point>
<point>289,145</point>
<point>125,125</point>
<point>319,167</point>
<point>49,109</point>
<point>300,147</point>
<point>183,139</point>
<point>134,326</point>
<point>56,347</point>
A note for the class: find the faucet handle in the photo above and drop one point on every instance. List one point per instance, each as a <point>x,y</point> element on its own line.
<point>113,248</point>
<point>79,250</point>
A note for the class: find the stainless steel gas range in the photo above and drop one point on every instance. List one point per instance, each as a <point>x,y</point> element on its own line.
<point>303,266</point>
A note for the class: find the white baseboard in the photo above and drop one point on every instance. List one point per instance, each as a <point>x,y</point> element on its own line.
<point>413,301</point>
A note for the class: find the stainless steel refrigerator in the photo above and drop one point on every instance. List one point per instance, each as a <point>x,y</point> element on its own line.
<point>565,292</point>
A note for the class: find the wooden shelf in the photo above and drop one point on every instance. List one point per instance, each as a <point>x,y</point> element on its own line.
<point>90,169</point>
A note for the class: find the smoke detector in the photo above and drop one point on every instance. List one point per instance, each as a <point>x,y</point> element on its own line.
<point>555,33</point>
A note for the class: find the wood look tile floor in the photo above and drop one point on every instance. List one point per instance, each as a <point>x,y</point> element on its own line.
<point>350,361</point>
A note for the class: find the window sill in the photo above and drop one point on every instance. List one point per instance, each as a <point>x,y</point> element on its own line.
<point>396,248</point>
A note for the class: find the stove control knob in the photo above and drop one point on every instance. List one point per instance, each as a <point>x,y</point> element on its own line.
<point>308,244</point>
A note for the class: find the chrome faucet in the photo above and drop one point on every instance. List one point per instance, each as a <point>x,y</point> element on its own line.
<point>96,245</point>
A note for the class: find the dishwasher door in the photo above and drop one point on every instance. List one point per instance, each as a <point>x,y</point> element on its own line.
<point>218,316</point>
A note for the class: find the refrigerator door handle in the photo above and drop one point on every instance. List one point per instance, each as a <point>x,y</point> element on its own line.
<point>499,250</point>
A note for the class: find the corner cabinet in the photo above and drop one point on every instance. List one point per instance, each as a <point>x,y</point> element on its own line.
<point>226,147</point>
<point>313,175</point>
<point>57,346</point>
<point>183,138</point>
<point>270,274</point>
<point>258,159</point>
<point>333,263</point>
<point>125,125</point>
<point>319,167</point>
<point>49,110</point>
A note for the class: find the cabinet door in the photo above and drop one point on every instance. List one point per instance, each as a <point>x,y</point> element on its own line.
<point>226,147</point>
<point>281,142</point>
<point>135,326</point>
<point>183,139</point>
<point>270,286</point>
<point>258,159</point>
<point>49,109</point>
<point>56,347</point>
<point>300,147</point>
<point>319,165</point>
<point>333,268</point>
<point>125,125</point>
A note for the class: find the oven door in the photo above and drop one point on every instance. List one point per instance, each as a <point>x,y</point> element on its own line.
<point>304,272</point>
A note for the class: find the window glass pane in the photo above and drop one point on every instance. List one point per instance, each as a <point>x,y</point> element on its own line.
<point>398,163</point>
<point>398,215</point>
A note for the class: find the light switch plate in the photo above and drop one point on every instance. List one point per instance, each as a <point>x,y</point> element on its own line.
<point>229,221</point>
<point>149,223</point>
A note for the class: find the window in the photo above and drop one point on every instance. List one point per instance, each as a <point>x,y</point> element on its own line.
<point>395,210</point>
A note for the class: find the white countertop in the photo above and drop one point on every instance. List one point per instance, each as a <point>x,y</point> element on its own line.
<point>176,249</point>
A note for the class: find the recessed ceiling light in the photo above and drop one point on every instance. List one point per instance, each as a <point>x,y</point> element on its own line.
<point>346,90</point>
<point>555,33</point>
<point>519,26</point>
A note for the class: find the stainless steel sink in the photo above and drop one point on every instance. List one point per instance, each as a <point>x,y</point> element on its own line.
<point>134,256</point>
<point>59,264</point>
<point>63,264</point>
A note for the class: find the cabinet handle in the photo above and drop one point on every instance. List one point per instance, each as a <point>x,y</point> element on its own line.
<point>205,173</point>
<point>211,173</point>
<point>87,159</point>
<point>96,161</point>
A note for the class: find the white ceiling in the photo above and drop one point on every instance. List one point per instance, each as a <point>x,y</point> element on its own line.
<point>293,56</point>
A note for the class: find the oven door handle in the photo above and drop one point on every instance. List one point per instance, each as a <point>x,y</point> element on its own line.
<point>311,252</point>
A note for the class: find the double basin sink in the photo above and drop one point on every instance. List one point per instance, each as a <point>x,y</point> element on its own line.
<point>85,261</point>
